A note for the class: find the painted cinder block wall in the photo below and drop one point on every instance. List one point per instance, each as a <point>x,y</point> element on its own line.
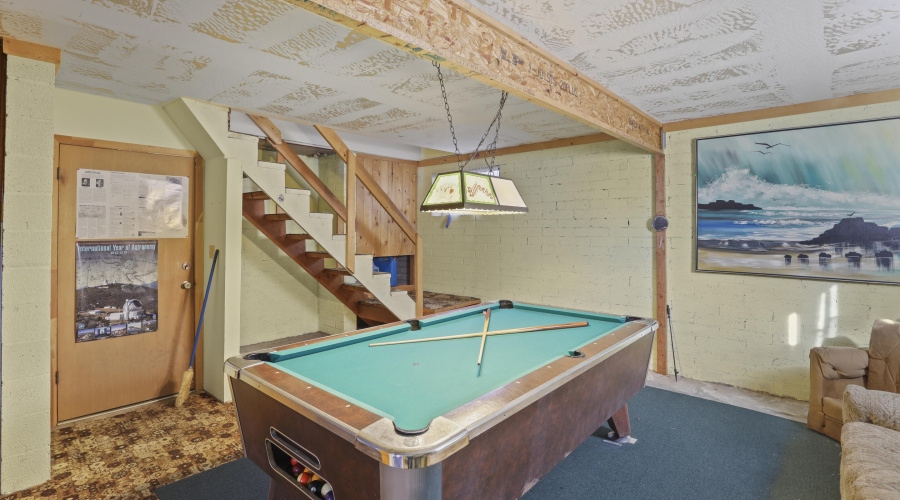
<point>751,331</point>
<point>585,242</point>
<point>27,222</point>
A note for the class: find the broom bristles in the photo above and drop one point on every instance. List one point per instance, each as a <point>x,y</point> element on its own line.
<point>185,389</point>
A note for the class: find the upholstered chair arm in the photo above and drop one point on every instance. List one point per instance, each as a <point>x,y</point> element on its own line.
<point>832,369</point>
<point>873,407</point>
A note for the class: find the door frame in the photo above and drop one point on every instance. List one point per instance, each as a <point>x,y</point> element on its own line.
<point>198,275</point>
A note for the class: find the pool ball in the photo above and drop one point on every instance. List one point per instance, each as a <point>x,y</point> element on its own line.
<point>296,470</point>
<point>294,461</point>
<point>304,478</point>
<point>315,486</point>
<point>327,493</point>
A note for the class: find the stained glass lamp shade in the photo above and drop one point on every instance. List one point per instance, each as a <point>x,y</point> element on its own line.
<point>461,192</point>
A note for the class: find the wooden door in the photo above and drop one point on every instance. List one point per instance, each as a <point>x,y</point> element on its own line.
<point>377,234</point>
<point>132,364</point>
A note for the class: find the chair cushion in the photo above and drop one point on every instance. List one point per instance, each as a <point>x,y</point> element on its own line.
<point>884,356</point>
<point>832,408</point>
<point>870,462</point>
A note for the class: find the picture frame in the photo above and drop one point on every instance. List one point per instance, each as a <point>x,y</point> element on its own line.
<point>819,202</point>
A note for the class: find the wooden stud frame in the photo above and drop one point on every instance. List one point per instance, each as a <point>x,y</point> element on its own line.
<point>524,148</point>
<point>198,276</point>
<point>460,37</point>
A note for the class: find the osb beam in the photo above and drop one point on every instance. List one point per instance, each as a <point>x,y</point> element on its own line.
<point>524,148</point>
<point>13,47</point>
<point>473,44</point>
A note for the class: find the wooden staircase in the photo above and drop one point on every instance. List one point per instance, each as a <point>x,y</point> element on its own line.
<point>283,215</point>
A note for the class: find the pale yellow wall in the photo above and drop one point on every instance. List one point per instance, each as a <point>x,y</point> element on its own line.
<point>27,230</point>
<point>584,243</point>
<point>96,117</point>
<point>737,329</point>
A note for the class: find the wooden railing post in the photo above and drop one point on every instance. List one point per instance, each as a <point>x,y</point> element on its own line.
<point>350,199</point>
<point>420,284</point>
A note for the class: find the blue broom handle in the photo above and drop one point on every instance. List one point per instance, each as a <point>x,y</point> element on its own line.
<point>203,311</point>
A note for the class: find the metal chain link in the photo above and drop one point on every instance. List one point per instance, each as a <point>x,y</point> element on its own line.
<point>496,121</point>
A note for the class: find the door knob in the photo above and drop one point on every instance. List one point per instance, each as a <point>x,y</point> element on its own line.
<point>186,285</point>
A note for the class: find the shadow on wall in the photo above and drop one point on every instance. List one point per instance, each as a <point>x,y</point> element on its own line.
<point>266,246</point>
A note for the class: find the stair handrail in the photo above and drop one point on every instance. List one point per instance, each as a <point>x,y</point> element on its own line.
<point>273,135</point>
<point>353,173</point>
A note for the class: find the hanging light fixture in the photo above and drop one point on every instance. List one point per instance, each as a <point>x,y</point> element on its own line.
<point>466,192</point>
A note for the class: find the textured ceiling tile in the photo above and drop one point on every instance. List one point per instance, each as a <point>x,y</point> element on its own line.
<point>17,22</point>
<point>141,8</point>
<point>233,21</point>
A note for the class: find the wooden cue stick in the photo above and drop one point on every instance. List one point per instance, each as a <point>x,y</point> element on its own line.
<point>487,321</point>
<point>498,332</point>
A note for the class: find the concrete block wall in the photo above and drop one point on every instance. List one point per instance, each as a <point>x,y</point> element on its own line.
<point>27,227</point>
<point>751,331</point>
<point>585,242</point>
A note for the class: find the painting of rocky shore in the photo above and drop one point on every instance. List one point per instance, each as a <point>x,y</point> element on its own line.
<point>819,203</point>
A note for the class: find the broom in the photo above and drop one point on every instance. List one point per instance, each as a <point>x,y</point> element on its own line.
<point>188,376</point>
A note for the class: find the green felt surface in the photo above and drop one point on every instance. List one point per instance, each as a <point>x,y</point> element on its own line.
<point>414,383</point>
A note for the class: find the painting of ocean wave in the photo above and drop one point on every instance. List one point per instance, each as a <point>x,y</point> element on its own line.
<point>820,202</point>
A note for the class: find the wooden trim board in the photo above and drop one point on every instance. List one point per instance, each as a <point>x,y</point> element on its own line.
<point>463,39</point>
<point>790,110</point>
<point>524,148</point>
<point>29,50</point>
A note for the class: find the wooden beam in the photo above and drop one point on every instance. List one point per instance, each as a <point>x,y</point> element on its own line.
<point>659,171</point>
<point>418,276</point>
<point>461,38</point>
<point>350,198</point>
<point>28,50</point>
<point>524,148</point>
<point>790,110</point>
<point>273,134</point>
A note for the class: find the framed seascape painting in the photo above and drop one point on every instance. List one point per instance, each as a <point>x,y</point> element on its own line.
<point>819,202</point>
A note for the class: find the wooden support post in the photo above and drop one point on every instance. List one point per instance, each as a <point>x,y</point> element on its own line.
<point>420,283</point>
<point>350,199</point>
<point>660,245</point>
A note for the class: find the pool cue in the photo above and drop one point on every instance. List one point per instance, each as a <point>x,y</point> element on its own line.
<point>498,332</point>
<point>188,376</point>
<point>487,321</point>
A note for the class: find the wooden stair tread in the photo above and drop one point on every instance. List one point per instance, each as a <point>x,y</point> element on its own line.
<point>278,217</point>
<point>256,195</point>
<point>433,301</point>
<point>319,255</point>
<point>337,270</point>
<point>297,236</point>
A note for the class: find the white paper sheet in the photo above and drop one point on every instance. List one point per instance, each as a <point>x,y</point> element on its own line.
<point>128,205</point>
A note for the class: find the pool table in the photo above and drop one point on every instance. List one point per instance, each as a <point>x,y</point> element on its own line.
<point>423,420</point>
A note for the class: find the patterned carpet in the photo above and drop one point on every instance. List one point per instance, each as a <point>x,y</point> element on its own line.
<point>127,456</point>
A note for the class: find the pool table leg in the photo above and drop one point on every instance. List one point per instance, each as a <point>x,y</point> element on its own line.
<point>619,423</point>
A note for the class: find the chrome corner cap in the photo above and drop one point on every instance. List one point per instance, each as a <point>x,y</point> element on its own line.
<point>381,441</point>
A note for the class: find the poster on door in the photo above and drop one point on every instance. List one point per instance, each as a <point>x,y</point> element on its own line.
<point>115,289</point>
<point>130,205</point>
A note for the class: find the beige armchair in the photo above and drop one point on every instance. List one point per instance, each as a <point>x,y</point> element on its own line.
<point>833,369</point>
<point>870,445</point>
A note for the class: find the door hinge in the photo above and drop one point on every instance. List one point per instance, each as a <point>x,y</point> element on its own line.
<point>57,378</point>
<point>58,174</point>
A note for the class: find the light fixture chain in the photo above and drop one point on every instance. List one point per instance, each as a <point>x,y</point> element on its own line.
<point>493,146</point>
<point>496,121</point>
<point>449,117</point>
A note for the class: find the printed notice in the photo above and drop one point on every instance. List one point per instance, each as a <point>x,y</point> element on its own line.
<point>128,205</point>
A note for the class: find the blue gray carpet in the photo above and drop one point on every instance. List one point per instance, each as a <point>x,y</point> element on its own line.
<point>687,448</point>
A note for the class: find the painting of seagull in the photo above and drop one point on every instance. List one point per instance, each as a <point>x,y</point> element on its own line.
<point>762,152</point>
<point>770,146</point>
